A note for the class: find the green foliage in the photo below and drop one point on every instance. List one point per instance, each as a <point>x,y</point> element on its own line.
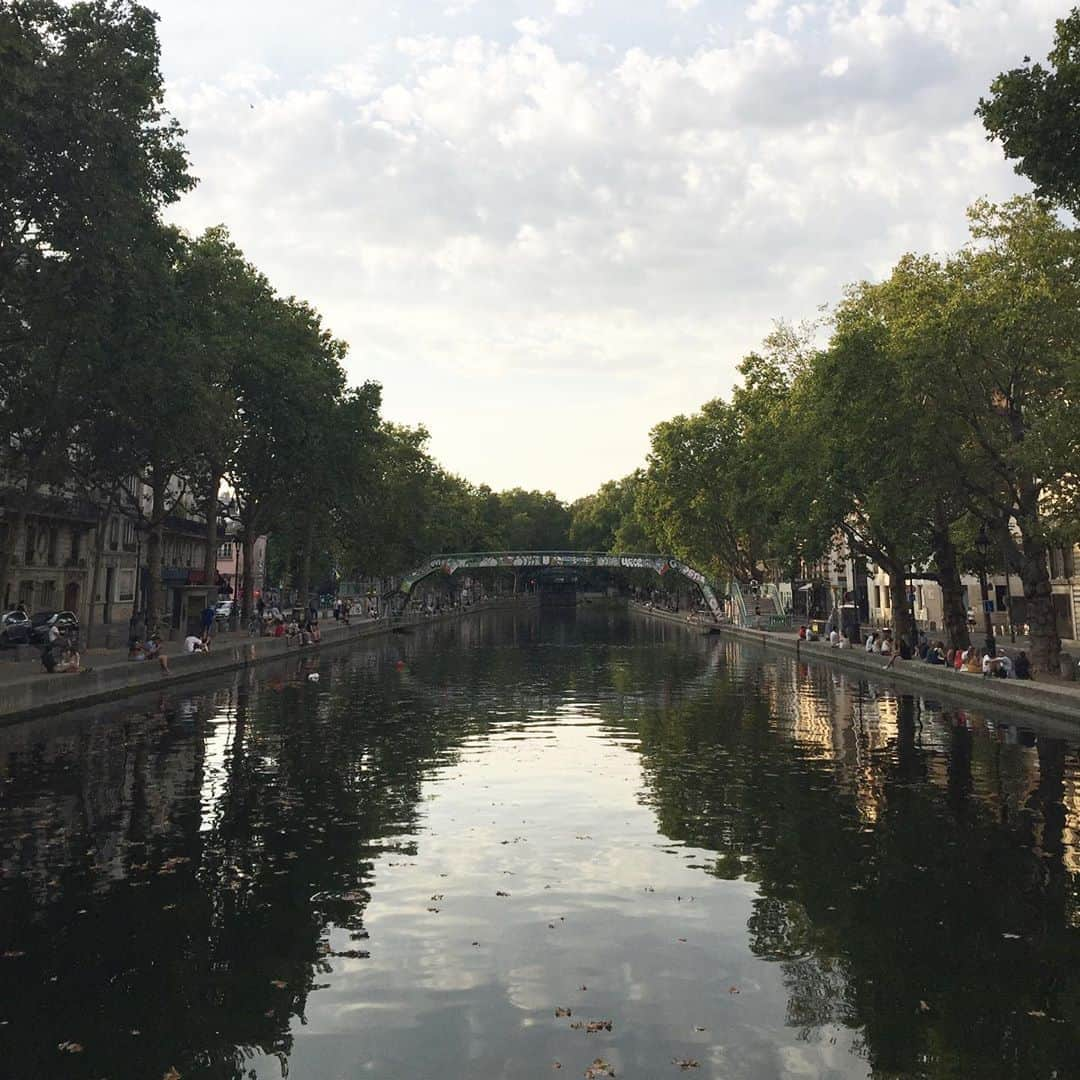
<point>1034,111</point>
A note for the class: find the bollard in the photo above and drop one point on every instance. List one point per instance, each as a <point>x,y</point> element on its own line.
<point>1067,666</point>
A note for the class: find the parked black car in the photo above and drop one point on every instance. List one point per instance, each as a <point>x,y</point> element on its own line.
<point>14,629</point>
<point>42,621</point>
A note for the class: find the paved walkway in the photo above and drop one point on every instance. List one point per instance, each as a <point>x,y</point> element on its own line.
<point>29,666</point>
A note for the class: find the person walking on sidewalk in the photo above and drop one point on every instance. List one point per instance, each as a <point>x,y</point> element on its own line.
<point>208,616</point>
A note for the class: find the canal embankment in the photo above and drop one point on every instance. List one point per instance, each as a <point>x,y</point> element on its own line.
<point>1055,699</point>
<point>24,695</point>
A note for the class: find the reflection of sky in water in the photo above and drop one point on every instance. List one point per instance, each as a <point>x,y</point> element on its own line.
<point>887,882</point>
<point>556,820</point>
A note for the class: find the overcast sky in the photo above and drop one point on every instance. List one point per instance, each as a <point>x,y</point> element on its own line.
<point>546,226</point>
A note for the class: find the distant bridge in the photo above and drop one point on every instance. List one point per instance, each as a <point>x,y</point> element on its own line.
<point>569,560</point>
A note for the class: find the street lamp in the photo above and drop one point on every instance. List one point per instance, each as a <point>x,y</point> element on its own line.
<point>982,542</point>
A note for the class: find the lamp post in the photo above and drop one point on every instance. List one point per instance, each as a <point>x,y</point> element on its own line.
<point>982,542</point>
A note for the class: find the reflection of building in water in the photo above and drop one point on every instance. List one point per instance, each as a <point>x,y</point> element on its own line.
<point>1070,798</point>
<point>127,780</point>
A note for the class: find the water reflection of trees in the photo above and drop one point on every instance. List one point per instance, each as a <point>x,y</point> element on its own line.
<point>167,891</point>
<point>940,920</point>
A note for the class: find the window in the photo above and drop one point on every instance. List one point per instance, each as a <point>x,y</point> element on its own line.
<point>877,596</point>
<point>76,546</point>
<point>54,538</point>
<point>46,594</point>
<point>129,535</point>
<point>125,585</point>
<point>31,544</point>
<point>26,594</point>
<point>114,533</point>
<point>225,551</point>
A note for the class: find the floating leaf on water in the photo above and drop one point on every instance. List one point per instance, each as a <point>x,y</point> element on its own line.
<point>279,983</point>
<point>593,1026</point>
<point>437,896</point>
<point>434,909</point>
<point>733,989</point>
<point>12,954</point>
<point>1011,937</point>
<point>599,1068</point>
<point>1037,1013</point>
<point>172,1074</point>
<point>556,1065</point>
<point>923,1007</point>
<point>353,954</point>
<point>499,892</point>
<point>560,1011</point>
<point>70,1047</point>
<point>685,1063</point>
<point>696,1028</point>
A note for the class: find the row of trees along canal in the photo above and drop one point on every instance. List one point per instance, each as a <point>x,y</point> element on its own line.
<point>129,349</point>
<point>945,401</point>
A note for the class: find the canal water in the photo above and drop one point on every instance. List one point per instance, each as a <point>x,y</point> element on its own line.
<point>527,845</point>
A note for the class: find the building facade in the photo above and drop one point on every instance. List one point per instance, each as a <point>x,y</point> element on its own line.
<point>230,565</point>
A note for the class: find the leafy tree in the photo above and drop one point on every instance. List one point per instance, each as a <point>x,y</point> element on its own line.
<point>1034,111</point>
<point>88,157</point>
<point>1010,389</point>
<point>608,520</point>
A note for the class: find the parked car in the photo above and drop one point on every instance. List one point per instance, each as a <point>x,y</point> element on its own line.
<point>41,622</point>
<point>14,629</point>
<point>223,611</point>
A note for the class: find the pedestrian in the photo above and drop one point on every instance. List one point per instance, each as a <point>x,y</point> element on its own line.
<point>313,608</point>
<point>1022,667</point>
<point>337,609</point>
<point>260,607</point>
<point>208,615</point>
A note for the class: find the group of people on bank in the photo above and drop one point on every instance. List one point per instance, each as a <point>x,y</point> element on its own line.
<point>986,662</point>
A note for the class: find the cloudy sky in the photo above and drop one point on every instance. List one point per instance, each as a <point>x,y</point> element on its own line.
<point>544,226</point>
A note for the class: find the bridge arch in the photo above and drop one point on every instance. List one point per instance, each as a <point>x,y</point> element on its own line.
<point>527,560</point>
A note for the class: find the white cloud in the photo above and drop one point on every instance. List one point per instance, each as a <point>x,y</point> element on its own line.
<point>591,232</point>
<point>532,27</point>
<point>762,10</point>
<point>570,7</point>
<point>683,5</point>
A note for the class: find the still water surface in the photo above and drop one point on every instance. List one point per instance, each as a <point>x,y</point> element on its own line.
<point>407,868</point>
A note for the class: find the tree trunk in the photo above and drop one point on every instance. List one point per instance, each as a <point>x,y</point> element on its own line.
<point>154,545</point>
<point>954,611</point>
<point>210,512</point>
<point>1039,607</point>
<point>95,577</point>
<point>15,523</point>
<point>305,561</point>
<point>901,612</point>
<point>249,576</point>
<point>1035,575</point>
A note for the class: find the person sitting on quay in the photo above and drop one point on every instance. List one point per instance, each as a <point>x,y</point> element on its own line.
<point>194,644</point>
<point>936,654</point>
<point>995,667</point>
<point>871,642</point>
<point>1022,666</point>
<point>152,651</point>
<point>885,648</point>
